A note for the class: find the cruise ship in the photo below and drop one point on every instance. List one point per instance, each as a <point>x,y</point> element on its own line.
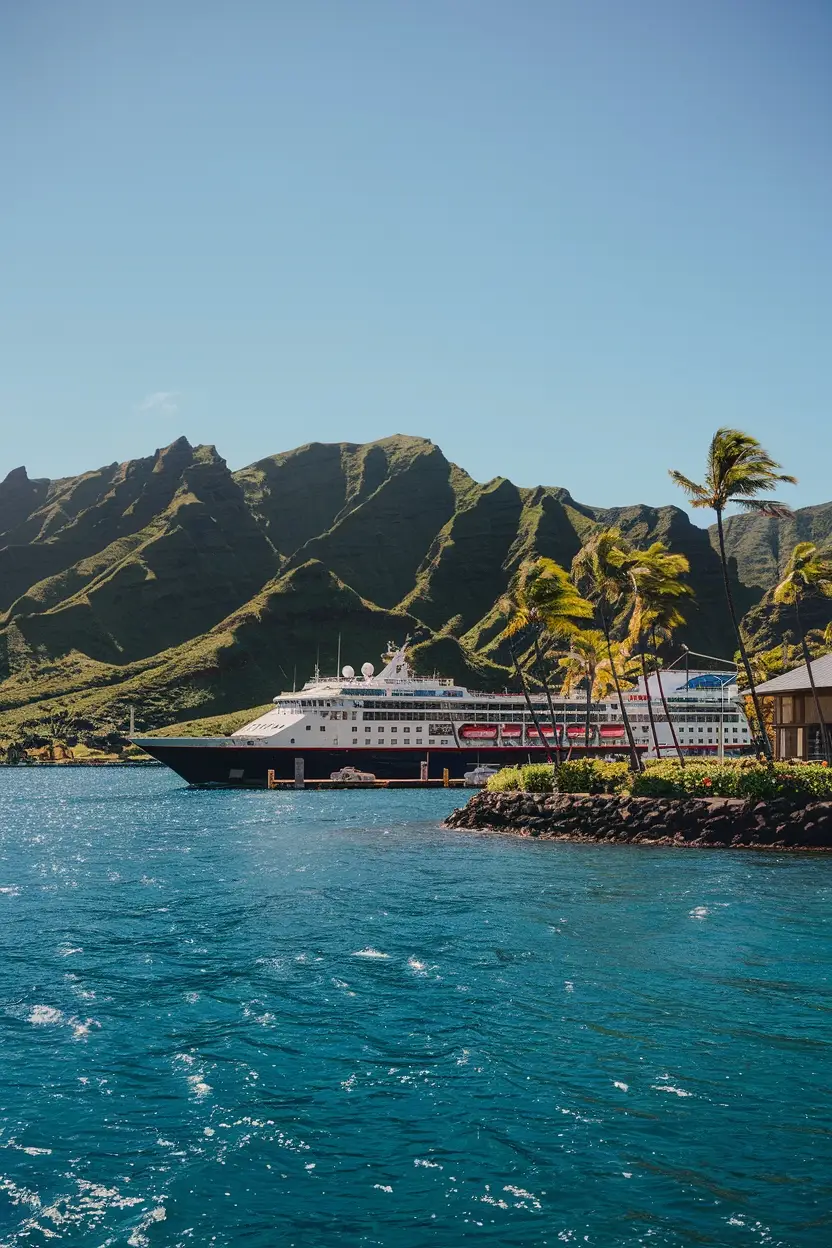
<point>396,725</point>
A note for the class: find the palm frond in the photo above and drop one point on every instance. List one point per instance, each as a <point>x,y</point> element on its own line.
<point>765,507</point>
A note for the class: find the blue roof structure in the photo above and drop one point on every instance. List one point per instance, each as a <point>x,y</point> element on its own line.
<point>711,680</point>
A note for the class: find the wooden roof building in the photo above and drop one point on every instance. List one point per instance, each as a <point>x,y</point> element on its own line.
<point>797,730</point>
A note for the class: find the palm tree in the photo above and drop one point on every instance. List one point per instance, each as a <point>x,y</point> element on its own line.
<point>601,571</point>
<point>738,471</point>
<point>588,664</point>
<point>542,598</point>
<point>820,637</point>
<point>808,573</point>
<point>657,588</point>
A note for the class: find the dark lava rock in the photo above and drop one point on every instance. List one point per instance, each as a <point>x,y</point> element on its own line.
<point>688,821</point>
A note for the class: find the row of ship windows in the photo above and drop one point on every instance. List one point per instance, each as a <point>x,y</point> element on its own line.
<point>597,717</point>
<point>394,728</point>
<point>576,714</point>
<point>637,718</point>
<point>503,709</point>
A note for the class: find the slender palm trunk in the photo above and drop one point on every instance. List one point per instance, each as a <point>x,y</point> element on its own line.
<point>542,673</point>
<point>525,689</point>
<point>664,702</point>
<point>752,688</point>
<point>588,720</point>
<point>628,728</point>
<point>807,659</point>
<point>650,704</point>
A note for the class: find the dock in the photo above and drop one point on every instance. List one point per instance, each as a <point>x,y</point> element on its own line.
<point>287,785</point>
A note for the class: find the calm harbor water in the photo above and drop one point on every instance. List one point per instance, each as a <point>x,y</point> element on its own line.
<point>316,1019</point>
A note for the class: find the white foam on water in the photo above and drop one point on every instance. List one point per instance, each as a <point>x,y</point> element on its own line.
<point>199,1087</point>
<point>488,1199</point>
<point>668,1087</point>
<point>80,1030</point>
<point>370,953</point>
<point>19,1195</point>
<point>139,1239</point>
<point>27,1148</point>
<point>382,1187</point>
<point>625,1087</point>
<point>525,1200</point>
<point>83,1210</point>
<point>10,890</point>
<point>421,968</point>
<point>429,1165</point>
<point>699,912</point>
<point>45,1016</point>
<point>66,951</point>
<point>569,986</point>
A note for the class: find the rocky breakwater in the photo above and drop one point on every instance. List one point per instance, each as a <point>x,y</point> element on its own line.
<point>779,823</point>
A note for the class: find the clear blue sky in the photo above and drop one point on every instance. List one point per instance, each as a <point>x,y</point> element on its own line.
<point>564,239</point>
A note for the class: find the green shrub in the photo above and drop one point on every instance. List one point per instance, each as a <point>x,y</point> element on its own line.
<point>505,780</point>
<point>593,775</point>
<point>538,778</point>
<point>744,778</point>
<point>741,778</point>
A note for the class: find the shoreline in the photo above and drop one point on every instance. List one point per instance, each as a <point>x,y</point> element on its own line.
<point>33,763</point>
<point>780,824</point>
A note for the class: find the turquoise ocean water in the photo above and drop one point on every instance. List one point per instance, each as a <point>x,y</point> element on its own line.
<point>316,1019</point>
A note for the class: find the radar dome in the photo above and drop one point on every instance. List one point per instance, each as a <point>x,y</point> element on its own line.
<point>367,670</point>
<point>348,672</point>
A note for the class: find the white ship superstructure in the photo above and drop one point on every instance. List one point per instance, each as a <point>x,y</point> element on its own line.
<point>398,725</point>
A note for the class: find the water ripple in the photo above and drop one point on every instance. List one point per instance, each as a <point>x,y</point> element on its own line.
<point>319,1019</point>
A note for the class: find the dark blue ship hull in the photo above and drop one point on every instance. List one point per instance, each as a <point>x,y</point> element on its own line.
<point>248,767</point>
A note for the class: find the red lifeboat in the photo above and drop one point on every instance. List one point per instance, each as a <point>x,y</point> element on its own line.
<point>549,731</point>
<point>612,732</point>
<point>478,732</point>
<point>511,730</point>
<point>577,732</point>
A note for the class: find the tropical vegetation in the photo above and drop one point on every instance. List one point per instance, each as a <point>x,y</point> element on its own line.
<point>738,471</point>
<point>737,778</point>
<point>808,573</point>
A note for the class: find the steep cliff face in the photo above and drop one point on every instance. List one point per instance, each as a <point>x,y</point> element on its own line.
<point>19,497</point>
<point>379,541</point>
<point>171,583</point>
<point>761,545</point>
<point>146,579</point>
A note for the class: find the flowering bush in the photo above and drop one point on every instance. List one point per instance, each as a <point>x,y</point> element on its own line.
<point>744,778</point>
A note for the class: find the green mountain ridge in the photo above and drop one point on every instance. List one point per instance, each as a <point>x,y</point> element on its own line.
<point>177,586</point>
